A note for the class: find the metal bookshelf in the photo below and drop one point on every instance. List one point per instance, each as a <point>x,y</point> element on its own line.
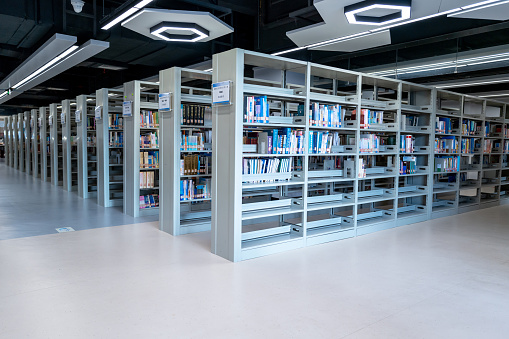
<point>348,188</point>
<point>86,143</point>
<point>144,97</point>
<point>34,136</point>
<point>69,145</point>
<point>110,153</point>
<point>28,142</point>
<point>44,140</point>
<point>55,123</point>
<point>15,142</point>
<point>189,92</point>
<point>8,141</point>
<point>21,142</point>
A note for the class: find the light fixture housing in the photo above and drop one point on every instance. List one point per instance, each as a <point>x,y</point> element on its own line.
<point>127,13</point>
<point>354,12</point>
<point>161,31</point>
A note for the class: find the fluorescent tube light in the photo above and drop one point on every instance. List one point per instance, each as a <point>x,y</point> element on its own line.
<point>474,83</point>
<point>209,70</point>
<point>494,95</point>
<point>127,14</point>
<point>3,94</point>
<point>476,8</point>
<point>45,67</point>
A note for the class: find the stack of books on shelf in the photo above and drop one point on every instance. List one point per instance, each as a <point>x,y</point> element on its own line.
<point>195,165</point>
<point>277,141</point>
<point>409,121</point>
<point>407,165</point>
<point>195,141</point>
<point>149,201</point>
<point>149,119</point>
<point>369,117</point>
<point>194,189</point>
<point>115,121</point>
<point>90,123</point>
<point>467,146</point>
<point>447,144</point>
<point>369,143</point>
<point>256,109</point>
<point>149,159</point>
<point>491,129</point>
<point>324,142</point>
<point>195,115</point>
<point>407,143</point>
<point>491,146</point>
<point>149,140</point>
<point>471,127</point>
<point>147,179</point>
<point>267,165</point>
<point>116,139</point>
<point>443,125</point>
<point>506,146</point>
<point>446,164</point>
<point>361,171</point>
<point>325,115</point>
<point>91,141</point>
<point>506,132</point>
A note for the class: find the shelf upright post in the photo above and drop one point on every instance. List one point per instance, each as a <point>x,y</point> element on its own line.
<point>102,146</point>
<point>169,153</point>
<point>431,157</point>
<point>66,144</point>
<point>14,135</point>
<point>35,142</point>
<point>356,180</point>
<point>81,130</point>
<point>53,126</point>
<point>44,142</point>
<point>28,151</point>
<point>226,161</point>
<point>21,137</point>
<point>8,141</point>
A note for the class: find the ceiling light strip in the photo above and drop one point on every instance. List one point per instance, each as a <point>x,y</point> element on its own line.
<point>474,83</point>
<point>126,14</point>
<point>476,8</point>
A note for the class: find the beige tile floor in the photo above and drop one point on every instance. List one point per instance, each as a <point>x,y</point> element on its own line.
<point>446,278</point>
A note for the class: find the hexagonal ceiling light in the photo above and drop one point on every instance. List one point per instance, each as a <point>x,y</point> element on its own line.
<point>396,10</point>
<point>180,26</point>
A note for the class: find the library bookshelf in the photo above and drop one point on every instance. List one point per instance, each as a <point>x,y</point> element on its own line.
<point>86,145</point>
<point>28,141</point>
<point>57,162</point>
<point>44,144</point>
<point>327,154</point>
<point>185,134</point>
<point>141,137</point>
<point>69,145</point>
<point>34,136</point>
<point>21,142</point>
<point>14,136</point>
<point>110,147</point>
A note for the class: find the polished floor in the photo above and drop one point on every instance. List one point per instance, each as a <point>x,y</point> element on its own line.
<point>31,207</point>
<point>446,278</point>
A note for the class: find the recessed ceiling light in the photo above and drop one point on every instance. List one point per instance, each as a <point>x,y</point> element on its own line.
<point>354,12</point>
<point>197,32</point>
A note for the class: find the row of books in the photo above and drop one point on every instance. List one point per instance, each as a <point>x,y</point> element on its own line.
<point>91,141</point>
<point>267,165</point>
<point>446,164</point>
<point>149,140</point>
<point>149,119</point>
<point>149,159</point>
<point>491,146</point>
<point>369,117</point>
<point>194,114</point>
<point>195,141</point>
<point>447,144</point>
<point>147,179</point>
<point>115,121</point>
<point>443,125</point>
<point>407,165</point>
<point>471,127</point>
<point>325,115</point>
<point>196,165</point>
<point>192,189</point>
<point>468,145</point>
<point>326,163</point>
<point>91,123</point>
<point>281,141</point>
<point>149,201</point>
<point>406,143</point>
<point>361,168</point>
<point>116,139</point>
<point>256,109</point>
<point>506,146</point>
<point>322,142</point>
<point>409,121</point>
<point>370,143</point>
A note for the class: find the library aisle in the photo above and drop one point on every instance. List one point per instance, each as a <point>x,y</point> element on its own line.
<point>30,207</point>
<point>445,278</point>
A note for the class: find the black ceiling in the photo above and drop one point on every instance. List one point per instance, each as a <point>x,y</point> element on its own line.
<point>259,25</point>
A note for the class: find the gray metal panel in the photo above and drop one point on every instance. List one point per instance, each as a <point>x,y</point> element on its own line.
<point>35,143</point>
<point>102,145</point>
<point>54,143</point>
<point>28,142</point>
<point>66,145</point>
<point>81,129</point>
<point>43,115</point>
<point>132,151</point>
<point>14,137</point>
<point>21,142</point>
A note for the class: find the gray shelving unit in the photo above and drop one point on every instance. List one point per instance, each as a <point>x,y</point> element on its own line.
<point>21,142</point>
<point>56,146</point>
<point>69,145</point>
<point>416,170</point>
<point>14,137</point>
<point>110,157</point>
<point>86,144</point>
<point>9,154</point>
<point>28,142</point>
<point>144,97</point>
<point>34,136</point>
<point>189,89</point>
<point>44,141</point>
